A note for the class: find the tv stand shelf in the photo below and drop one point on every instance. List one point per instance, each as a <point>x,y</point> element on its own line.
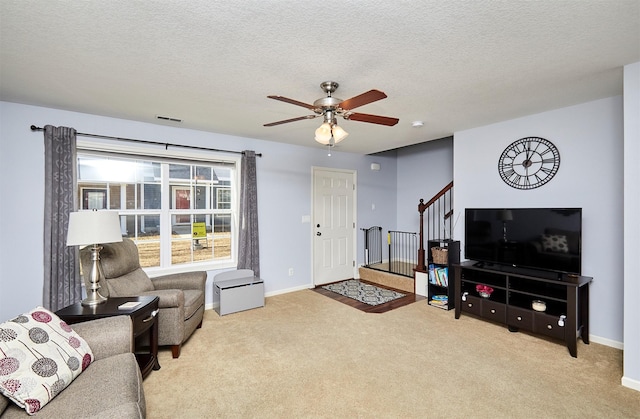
<point>566,316</point>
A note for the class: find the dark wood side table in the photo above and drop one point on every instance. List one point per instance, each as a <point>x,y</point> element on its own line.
<point>143,317</point>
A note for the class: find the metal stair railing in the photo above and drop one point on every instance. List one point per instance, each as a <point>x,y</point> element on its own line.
<point>439,223</point>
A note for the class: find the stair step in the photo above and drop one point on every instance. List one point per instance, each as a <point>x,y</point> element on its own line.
<point>387,279</point>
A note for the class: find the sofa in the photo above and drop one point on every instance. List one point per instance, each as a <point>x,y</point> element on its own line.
<point>110,387</point>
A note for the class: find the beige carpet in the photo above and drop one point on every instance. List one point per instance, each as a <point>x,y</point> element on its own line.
<point>307,356</point>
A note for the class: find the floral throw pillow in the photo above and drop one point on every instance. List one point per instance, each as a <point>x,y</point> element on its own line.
<point>40,355</point>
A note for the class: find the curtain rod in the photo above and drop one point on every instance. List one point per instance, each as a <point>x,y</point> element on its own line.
<point>133,140</point>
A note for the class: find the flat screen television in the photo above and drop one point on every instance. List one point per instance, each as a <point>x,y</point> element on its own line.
<point>547,239</point>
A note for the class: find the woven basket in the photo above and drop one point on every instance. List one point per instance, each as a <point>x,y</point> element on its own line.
<point>440,255</point>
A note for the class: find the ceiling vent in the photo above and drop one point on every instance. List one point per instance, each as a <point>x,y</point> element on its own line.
<point>168,118</point>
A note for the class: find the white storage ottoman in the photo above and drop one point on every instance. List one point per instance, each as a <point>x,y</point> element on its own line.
<point>235,291</point>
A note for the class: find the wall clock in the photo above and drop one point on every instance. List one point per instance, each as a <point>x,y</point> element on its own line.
<point>529,163</point>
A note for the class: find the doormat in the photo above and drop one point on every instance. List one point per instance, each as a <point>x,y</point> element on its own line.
<point>365,293</point>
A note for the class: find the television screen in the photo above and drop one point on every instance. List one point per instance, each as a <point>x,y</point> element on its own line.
<point>538,238</point>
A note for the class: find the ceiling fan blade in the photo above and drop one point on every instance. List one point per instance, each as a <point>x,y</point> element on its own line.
<point>300,118</point>
<point>363,99</point>
<point>292,101</point>
<point>374,119</point>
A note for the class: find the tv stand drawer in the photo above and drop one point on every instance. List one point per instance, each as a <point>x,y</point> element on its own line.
<point>520,318</point>
<point>472,305</point>
<point>494,311</point>
<point>547,325</point>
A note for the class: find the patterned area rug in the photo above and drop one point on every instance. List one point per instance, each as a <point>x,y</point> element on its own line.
<point>365,293</point>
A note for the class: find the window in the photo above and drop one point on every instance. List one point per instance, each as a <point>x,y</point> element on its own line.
<point>94,198</point>
<point>224,198</point>
<point>179,212</point>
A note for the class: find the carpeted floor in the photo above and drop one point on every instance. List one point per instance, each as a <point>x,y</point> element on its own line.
<point>363,292</point>
<point>307,356</point>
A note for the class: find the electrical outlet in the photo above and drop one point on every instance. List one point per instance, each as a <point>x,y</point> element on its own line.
<point>290,271</point>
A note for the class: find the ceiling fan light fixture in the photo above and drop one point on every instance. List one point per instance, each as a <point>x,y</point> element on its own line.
<point>329,133</point>
<point>339,134</point>
<point>323,134</point>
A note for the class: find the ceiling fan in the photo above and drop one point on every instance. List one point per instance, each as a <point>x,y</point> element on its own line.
<point>329,107</point>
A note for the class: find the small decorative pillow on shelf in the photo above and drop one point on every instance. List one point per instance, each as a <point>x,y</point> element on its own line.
<point>40,355</point>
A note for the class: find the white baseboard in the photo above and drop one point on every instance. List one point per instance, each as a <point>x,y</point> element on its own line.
<point>606,342</point>
<point>288,290</point>
<point>631,383</point>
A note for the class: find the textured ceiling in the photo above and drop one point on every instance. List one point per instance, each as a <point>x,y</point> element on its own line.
<point>453,64</point>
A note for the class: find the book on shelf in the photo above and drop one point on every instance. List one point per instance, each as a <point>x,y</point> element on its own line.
<point>440,301</point>
<point>432,274</point>
<point>439,275</point>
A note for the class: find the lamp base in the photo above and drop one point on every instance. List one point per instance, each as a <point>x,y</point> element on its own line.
<point>93,299</point>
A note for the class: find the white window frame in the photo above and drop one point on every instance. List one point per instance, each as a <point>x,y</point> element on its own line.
<point>189,156</point>
<point>219,201</point>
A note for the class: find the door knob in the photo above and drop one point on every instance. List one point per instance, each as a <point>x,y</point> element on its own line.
<point>318,234</point>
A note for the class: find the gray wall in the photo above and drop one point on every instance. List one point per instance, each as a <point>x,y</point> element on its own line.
<point>423,170</point>
<point>284,196</point>
<point>590,140</point>
<point>589,136</point>
<point>631,373</point>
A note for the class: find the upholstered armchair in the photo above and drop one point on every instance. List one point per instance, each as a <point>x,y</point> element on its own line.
<point>181,295</point>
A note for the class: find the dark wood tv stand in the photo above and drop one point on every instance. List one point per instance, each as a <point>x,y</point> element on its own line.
<point>566,316</point>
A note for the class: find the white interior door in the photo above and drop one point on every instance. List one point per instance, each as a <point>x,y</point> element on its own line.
<point>333,225</point>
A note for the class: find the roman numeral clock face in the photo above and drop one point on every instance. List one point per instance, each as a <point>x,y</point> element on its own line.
<point>529,163</point>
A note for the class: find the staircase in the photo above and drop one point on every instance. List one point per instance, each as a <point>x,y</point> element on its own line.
<point>439,222</point>
<point>439,225</point>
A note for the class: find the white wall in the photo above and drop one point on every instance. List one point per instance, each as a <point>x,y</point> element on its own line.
<point>631,373</point>
<point>590,140</point>
<point>284,196</point>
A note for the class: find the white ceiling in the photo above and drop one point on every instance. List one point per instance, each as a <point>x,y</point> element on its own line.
<point>454,64</point>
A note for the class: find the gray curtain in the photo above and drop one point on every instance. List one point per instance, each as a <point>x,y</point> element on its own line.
<point>62,283</point>
<point>248,249</point>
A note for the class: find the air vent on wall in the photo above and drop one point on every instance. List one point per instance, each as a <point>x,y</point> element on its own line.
<point>168,118</point>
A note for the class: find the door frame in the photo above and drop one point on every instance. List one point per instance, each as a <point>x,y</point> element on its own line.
<point>354,196</point>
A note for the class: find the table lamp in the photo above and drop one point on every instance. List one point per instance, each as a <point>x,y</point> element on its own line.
<point>94,228</point>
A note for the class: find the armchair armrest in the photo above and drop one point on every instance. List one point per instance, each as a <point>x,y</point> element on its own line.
<point>183,281</point>
<point>107,336</point>
<point>168,297</point>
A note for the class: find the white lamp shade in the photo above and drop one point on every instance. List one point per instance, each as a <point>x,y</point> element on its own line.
<point>339,134</point>
<point>323,134</point>
<point>93,227</point>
